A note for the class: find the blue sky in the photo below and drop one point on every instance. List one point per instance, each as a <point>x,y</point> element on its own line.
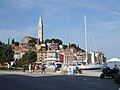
<point>63,19</point>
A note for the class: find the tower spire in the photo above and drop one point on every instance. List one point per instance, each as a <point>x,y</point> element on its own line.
<point>40,30</point>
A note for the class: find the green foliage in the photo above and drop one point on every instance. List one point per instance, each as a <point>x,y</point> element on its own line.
<point>6,53</point>
<point>53,40</point>
<point>20,62</point>
<point>73,45</point>
<point>3,68</point>
<point>29,57</point>
<point>16,43</point>
<point>47,41</point>
<point>1,43</point>
<point>13,41</point>
<point>58,41</point>
<point>79,49</point>
<point>32,43</point>
<point>65,47</point>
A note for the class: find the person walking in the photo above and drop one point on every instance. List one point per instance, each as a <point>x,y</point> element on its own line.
<point>35,67</point>
<point>24,68</point>
<point>29,67</point>
<point>8,66</point>
<point>43,69</point>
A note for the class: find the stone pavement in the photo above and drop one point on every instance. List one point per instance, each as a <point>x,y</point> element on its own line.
<point>49,73</point>
<point>91,73</point>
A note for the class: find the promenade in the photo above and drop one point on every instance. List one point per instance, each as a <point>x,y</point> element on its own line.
<point>88,80</point>
<point>49,73</point>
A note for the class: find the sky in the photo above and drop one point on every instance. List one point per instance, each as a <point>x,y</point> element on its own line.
<point>64,19</point>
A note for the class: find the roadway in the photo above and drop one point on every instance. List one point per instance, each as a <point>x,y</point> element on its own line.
<point>58,82</point>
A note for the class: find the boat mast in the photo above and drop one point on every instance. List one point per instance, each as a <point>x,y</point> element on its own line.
<point>85,38</point>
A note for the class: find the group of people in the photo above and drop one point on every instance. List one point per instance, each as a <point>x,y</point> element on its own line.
<point>40,66</point>
<point>10,66</point>
<point>35,67</point>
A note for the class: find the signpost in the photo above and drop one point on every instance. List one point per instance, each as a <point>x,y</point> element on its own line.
<point>70,70</point>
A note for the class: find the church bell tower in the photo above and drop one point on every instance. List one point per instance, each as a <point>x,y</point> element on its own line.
<point>40,46</point>
<point>40,30</point>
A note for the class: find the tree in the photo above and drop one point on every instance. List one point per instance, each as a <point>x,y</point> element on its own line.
<point>1,43</point>
<point>29,57</point>
<point>65,47</point>
<point>13,41</point>
<point>78,49</point>
<point>47,41</point>
<point>6,53</point>
<point>16,43</point>
<point>32,43</point>
<point>58,41</point>
<point>73,45</point>
<point>53,40</point>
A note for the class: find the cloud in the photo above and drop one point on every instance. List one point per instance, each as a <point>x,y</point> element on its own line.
<point>111,11</point>
<point>108,25</point>
<point>99,5</point>
<point>23,3</point>
<point>58,9</point>
<point>17,34</point>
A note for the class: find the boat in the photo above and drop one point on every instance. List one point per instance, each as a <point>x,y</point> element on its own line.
<point>87,67</point>
<point>83,64</point>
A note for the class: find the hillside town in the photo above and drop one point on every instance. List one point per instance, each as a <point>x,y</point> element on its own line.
<point>49,52</point>
<point>59,45</point>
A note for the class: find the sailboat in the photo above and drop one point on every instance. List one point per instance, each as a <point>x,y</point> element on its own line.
<point>84,63</point>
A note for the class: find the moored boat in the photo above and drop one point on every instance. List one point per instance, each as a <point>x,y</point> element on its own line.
<point>84,64</point>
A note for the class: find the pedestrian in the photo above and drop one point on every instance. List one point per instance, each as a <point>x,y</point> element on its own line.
<point>24,68</point>
<point>35,67</point>
<point>8,66</point>
<point>29,68</point>
<point>15,64</point>
<point>43,69</point>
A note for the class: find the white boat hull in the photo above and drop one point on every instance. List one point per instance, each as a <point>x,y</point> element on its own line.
<point>88,67</point>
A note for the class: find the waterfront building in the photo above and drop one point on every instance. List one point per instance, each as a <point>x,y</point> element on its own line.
<point>97,57</point>
<point>68,56</point>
